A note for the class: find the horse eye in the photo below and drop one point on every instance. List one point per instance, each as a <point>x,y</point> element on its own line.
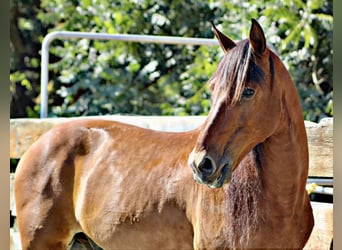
<point>248,92</point>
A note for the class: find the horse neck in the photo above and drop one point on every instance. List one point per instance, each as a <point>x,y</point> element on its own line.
<point>285,166</point>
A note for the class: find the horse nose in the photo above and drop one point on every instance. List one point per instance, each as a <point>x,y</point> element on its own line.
<point>206,167</point>
<point>202,165</point>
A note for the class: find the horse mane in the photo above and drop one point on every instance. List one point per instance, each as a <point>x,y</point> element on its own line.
<point>235,69</point>
<point>245,195</point>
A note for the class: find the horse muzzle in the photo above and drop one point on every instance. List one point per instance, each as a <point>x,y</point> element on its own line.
<point>206,171</point>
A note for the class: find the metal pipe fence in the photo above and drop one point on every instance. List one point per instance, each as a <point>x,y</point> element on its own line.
<point>103,36</point>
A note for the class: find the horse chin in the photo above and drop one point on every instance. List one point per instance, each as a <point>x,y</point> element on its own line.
<point>198,179</point>
<point>222,179</point>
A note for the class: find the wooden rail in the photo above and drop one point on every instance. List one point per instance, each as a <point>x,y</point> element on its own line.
<point>23,132</point>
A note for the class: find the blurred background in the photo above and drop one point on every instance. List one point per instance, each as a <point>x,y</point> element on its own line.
<point>93,77</point>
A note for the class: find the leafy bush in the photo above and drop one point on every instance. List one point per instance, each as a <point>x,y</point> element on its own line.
<point>91,77</point>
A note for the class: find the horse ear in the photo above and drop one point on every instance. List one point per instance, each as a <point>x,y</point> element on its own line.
<point>225,42</point>
<point>257,38</point>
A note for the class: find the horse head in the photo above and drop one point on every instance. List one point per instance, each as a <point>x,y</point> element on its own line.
<point>246,107</point>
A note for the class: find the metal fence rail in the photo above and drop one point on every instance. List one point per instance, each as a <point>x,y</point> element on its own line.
<point>103,36</point>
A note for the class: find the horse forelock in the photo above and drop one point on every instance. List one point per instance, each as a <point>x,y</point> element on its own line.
<point>245,195</point>
<point>236,68</point>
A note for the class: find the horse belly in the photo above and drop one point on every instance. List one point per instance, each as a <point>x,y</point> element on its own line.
<point>167,229</point>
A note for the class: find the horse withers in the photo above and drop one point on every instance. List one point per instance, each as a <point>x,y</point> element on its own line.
<point>127,187</point>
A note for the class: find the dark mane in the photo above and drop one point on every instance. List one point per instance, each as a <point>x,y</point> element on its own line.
<point>245,195</point>
<point>236,68</point>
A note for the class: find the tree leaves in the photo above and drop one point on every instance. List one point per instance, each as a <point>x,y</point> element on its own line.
<point>91,77</point>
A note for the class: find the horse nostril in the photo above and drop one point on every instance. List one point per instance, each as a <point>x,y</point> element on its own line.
<point>206,166</point>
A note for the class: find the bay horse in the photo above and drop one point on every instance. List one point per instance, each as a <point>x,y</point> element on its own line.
<point>127,187</point>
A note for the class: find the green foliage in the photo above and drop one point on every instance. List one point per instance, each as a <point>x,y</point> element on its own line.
<point>92,77</point>
<point>304,38</point>
<point>100,77</point>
